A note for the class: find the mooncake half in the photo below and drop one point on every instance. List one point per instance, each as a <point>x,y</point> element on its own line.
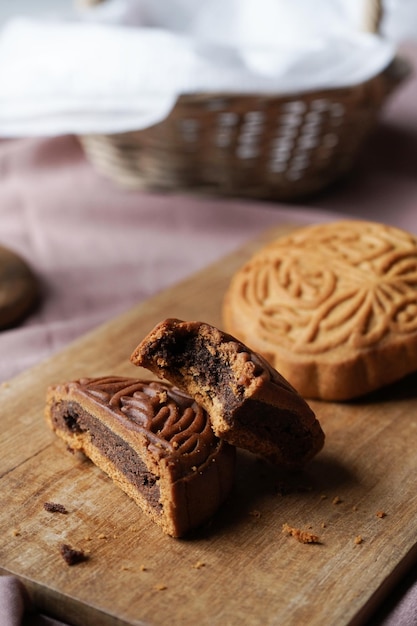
<point>153,441</point>
<point>250,404</point>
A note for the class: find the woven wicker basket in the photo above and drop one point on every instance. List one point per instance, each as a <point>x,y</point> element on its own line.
<point>262,146</point>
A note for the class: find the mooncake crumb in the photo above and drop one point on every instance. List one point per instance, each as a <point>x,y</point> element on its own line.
<point>302,536</point>
<point>72,556</point>
<point>54,507</point>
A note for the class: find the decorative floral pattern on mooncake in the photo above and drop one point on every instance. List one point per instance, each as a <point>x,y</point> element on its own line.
<point>349,283</point>
<point>172,421</point>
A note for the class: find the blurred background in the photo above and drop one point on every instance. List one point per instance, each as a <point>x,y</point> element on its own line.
<point>400,15</point>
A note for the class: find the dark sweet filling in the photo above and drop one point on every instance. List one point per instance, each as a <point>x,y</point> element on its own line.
<point>71,417</point>
<point>286,432</point>
<point>209,372</point>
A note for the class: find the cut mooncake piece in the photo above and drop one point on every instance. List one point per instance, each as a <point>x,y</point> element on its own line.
<point>153,440</point>
<point>333,307</point>
<point>249,403</point>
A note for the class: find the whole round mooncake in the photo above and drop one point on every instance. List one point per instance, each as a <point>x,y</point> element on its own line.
<point>332,307</point>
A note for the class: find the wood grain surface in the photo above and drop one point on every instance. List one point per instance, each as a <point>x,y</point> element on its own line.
<point>241,569</point>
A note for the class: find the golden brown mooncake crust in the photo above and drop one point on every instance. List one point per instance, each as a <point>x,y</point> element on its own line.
<point>153,440</point>
<point>332,306</point>
<point>249,403</point>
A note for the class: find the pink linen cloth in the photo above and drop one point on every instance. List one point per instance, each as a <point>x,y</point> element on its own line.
<point>97,250</point>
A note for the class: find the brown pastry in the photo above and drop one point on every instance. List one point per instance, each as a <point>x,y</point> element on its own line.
<point>333,307</point>
<point>249,403</point>
<point>153,440</point>
<point>18,288</point>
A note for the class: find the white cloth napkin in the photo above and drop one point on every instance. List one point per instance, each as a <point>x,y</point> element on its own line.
<point>100,75</point>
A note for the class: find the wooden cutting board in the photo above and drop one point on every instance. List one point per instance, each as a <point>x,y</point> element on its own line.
<point>241,569</point>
